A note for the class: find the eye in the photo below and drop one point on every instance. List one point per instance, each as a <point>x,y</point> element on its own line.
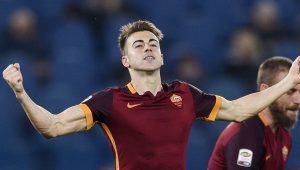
<point>138,46</point>
<point>290,92</point>
<point>153,45</point>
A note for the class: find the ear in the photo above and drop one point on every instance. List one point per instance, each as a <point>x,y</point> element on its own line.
<point>125,61</point>
<point>263,86</point>
<point>162,59</point>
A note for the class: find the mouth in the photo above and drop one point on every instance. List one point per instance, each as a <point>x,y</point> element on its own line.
<point>149,58</point>
<point>293,111</point>
<point>293,108</point>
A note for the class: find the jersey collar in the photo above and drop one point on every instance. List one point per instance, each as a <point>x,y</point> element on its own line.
<point>131,88</point>
<point>263,119</point>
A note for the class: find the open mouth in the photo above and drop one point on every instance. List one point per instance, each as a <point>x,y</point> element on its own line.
<point>149,58</point>
<point>293,111</point>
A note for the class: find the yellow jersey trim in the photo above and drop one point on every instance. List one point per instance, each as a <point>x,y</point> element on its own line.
<point>111,138</point>
<point>131,88</point>
<point>213,114</point>
<point>88,116</point>
<point>263,119</point>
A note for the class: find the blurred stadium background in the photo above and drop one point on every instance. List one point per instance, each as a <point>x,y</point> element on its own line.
<point>68,50</point>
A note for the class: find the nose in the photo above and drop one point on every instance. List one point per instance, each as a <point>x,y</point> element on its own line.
<point>147,47</point>
<point>296,98</point>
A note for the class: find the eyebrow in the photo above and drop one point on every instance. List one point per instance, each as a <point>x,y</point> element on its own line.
<point>143,41</point>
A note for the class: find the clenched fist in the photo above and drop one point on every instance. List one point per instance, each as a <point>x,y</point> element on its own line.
<point>13,76</point>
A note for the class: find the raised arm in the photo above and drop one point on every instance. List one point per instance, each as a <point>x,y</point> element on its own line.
<point>249,105</point>
<point>49,125</point>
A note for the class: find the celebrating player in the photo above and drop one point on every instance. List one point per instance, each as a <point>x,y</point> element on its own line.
<point>146,121</point>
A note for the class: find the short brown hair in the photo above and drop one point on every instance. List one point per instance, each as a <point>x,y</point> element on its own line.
<point>270,68</point>
<point>137,26</point>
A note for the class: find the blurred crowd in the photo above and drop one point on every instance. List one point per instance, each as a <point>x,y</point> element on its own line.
<point>68,50</point>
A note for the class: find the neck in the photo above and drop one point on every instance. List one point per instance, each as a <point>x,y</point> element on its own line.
<point>146,81</point>
<point>268,116</point>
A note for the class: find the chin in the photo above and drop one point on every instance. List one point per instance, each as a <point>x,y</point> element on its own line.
<point>149,69</point>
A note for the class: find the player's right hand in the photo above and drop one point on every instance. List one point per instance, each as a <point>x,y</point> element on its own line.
<point>13,76</point>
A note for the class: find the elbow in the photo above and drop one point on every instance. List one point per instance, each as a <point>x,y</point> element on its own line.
<point>49,134</point>
<point>239,119</point>
<point>50,131</point>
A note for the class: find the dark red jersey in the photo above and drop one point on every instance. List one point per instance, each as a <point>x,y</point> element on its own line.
<point>146,131</point>
<point>251,144</point>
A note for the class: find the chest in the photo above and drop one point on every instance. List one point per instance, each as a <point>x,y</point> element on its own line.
<point>165,113</point>
<point>277,147</point>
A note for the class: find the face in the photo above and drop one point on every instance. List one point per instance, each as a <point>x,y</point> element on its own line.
<point>285,109</point>
<point>142,52</point>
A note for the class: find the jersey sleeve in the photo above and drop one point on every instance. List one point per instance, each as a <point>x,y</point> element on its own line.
<point>245,148</point>
<point>206,106</point>
<point>97,107</point>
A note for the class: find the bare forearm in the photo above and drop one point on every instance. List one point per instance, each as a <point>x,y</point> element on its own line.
<point>40,118</point>
<point>69,121</point>
<point>251,104</point>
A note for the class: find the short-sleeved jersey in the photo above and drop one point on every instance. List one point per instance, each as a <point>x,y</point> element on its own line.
<point>251,144</point>
<point>146,131</point>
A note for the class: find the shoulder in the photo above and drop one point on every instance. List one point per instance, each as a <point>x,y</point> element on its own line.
<point>253,124</point>
<point>178,84</point>
<point>232,129</point>
<point>103,94</point>
<point>255,120</point>
<point>175,83</point>
<point>102,101</point>
<point>106,91</point>
<point>249,128</point>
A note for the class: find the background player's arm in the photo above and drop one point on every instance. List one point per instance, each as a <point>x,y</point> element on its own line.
<point>250,105</point>
<point>69,121</point>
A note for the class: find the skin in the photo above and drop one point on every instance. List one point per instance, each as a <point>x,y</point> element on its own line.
<point>143,58</point>
<point>287,105</point>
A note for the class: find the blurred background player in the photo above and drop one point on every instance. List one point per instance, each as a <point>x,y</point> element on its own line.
<point>263,141</point>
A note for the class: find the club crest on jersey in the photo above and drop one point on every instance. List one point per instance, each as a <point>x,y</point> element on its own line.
<point>285,152</point>
<point>176,100</point>
<point>245,157</point>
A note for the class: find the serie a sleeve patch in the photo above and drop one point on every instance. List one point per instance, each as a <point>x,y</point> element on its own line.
<point>245,157</point>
